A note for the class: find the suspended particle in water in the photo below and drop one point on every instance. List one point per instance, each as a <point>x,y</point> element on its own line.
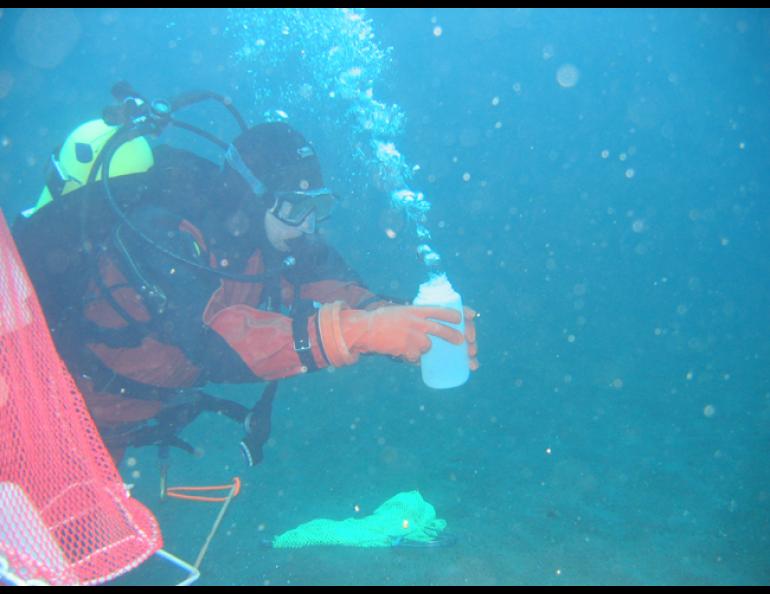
<point>466,177</point>
<point>305,91</point>
<point>630,173</point>
<point>708,411</point>
<point>605,154</point>
<point>567,75</point>
<point>495,101</point>
<point>392,221</point>
<point>437,31</point>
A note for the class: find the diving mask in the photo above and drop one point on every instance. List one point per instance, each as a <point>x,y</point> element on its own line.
<point>293,208</point>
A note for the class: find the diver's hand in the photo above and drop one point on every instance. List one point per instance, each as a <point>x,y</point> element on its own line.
<point>470,338</point>
<point>398,330</point>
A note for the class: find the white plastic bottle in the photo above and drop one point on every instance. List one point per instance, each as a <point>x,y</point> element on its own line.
<point>445,365</point>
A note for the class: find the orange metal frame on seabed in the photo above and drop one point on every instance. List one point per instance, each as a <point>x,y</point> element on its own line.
<point>183,492</point>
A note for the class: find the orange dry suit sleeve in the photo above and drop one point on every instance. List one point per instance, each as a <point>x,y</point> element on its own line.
<point>274,345</point>
<point>333,333</point>
<point>265,340</point>
<point>337,335</point>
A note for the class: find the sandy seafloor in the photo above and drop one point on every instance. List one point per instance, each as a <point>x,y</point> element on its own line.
<point>629,503</point>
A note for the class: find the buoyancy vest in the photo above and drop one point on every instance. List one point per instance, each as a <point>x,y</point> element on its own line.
<point>92,287</point>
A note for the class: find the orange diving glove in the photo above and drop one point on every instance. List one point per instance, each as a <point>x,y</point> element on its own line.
<point>399,330</point>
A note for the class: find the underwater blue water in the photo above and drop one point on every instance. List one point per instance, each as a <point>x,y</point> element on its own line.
<point>599,191</point>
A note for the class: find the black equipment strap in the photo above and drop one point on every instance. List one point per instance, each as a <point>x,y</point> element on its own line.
<point>302,346</point>
<point>258,426</point>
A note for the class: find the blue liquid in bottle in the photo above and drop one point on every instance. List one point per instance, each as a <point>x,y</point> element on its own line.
<point>445,365</point>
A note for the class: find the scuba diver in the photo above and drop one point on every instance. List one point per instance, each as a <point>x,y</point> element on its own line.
<point>160,271</point>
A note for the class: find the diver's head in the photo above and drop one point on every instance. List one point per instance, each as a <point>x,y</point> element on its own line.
<point>282,174</point>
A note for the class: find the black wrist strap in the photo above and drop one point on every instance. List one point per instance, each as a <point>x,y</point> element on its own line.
<point>302,345</point>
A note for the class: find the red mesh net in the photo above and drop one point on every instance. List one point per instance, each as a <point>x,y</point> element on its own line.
<point>65,516</point>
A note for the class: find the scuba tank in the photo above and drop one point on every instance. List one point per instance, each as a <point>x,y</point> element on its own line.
<point>71,165</point>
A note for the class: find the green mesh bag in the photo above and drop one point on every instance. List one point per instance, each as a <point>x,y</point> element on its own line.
<point>404,518</point>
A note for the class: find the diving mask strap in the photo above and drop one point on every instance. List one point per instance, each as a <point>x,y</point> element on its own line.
<point>233,158</point>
